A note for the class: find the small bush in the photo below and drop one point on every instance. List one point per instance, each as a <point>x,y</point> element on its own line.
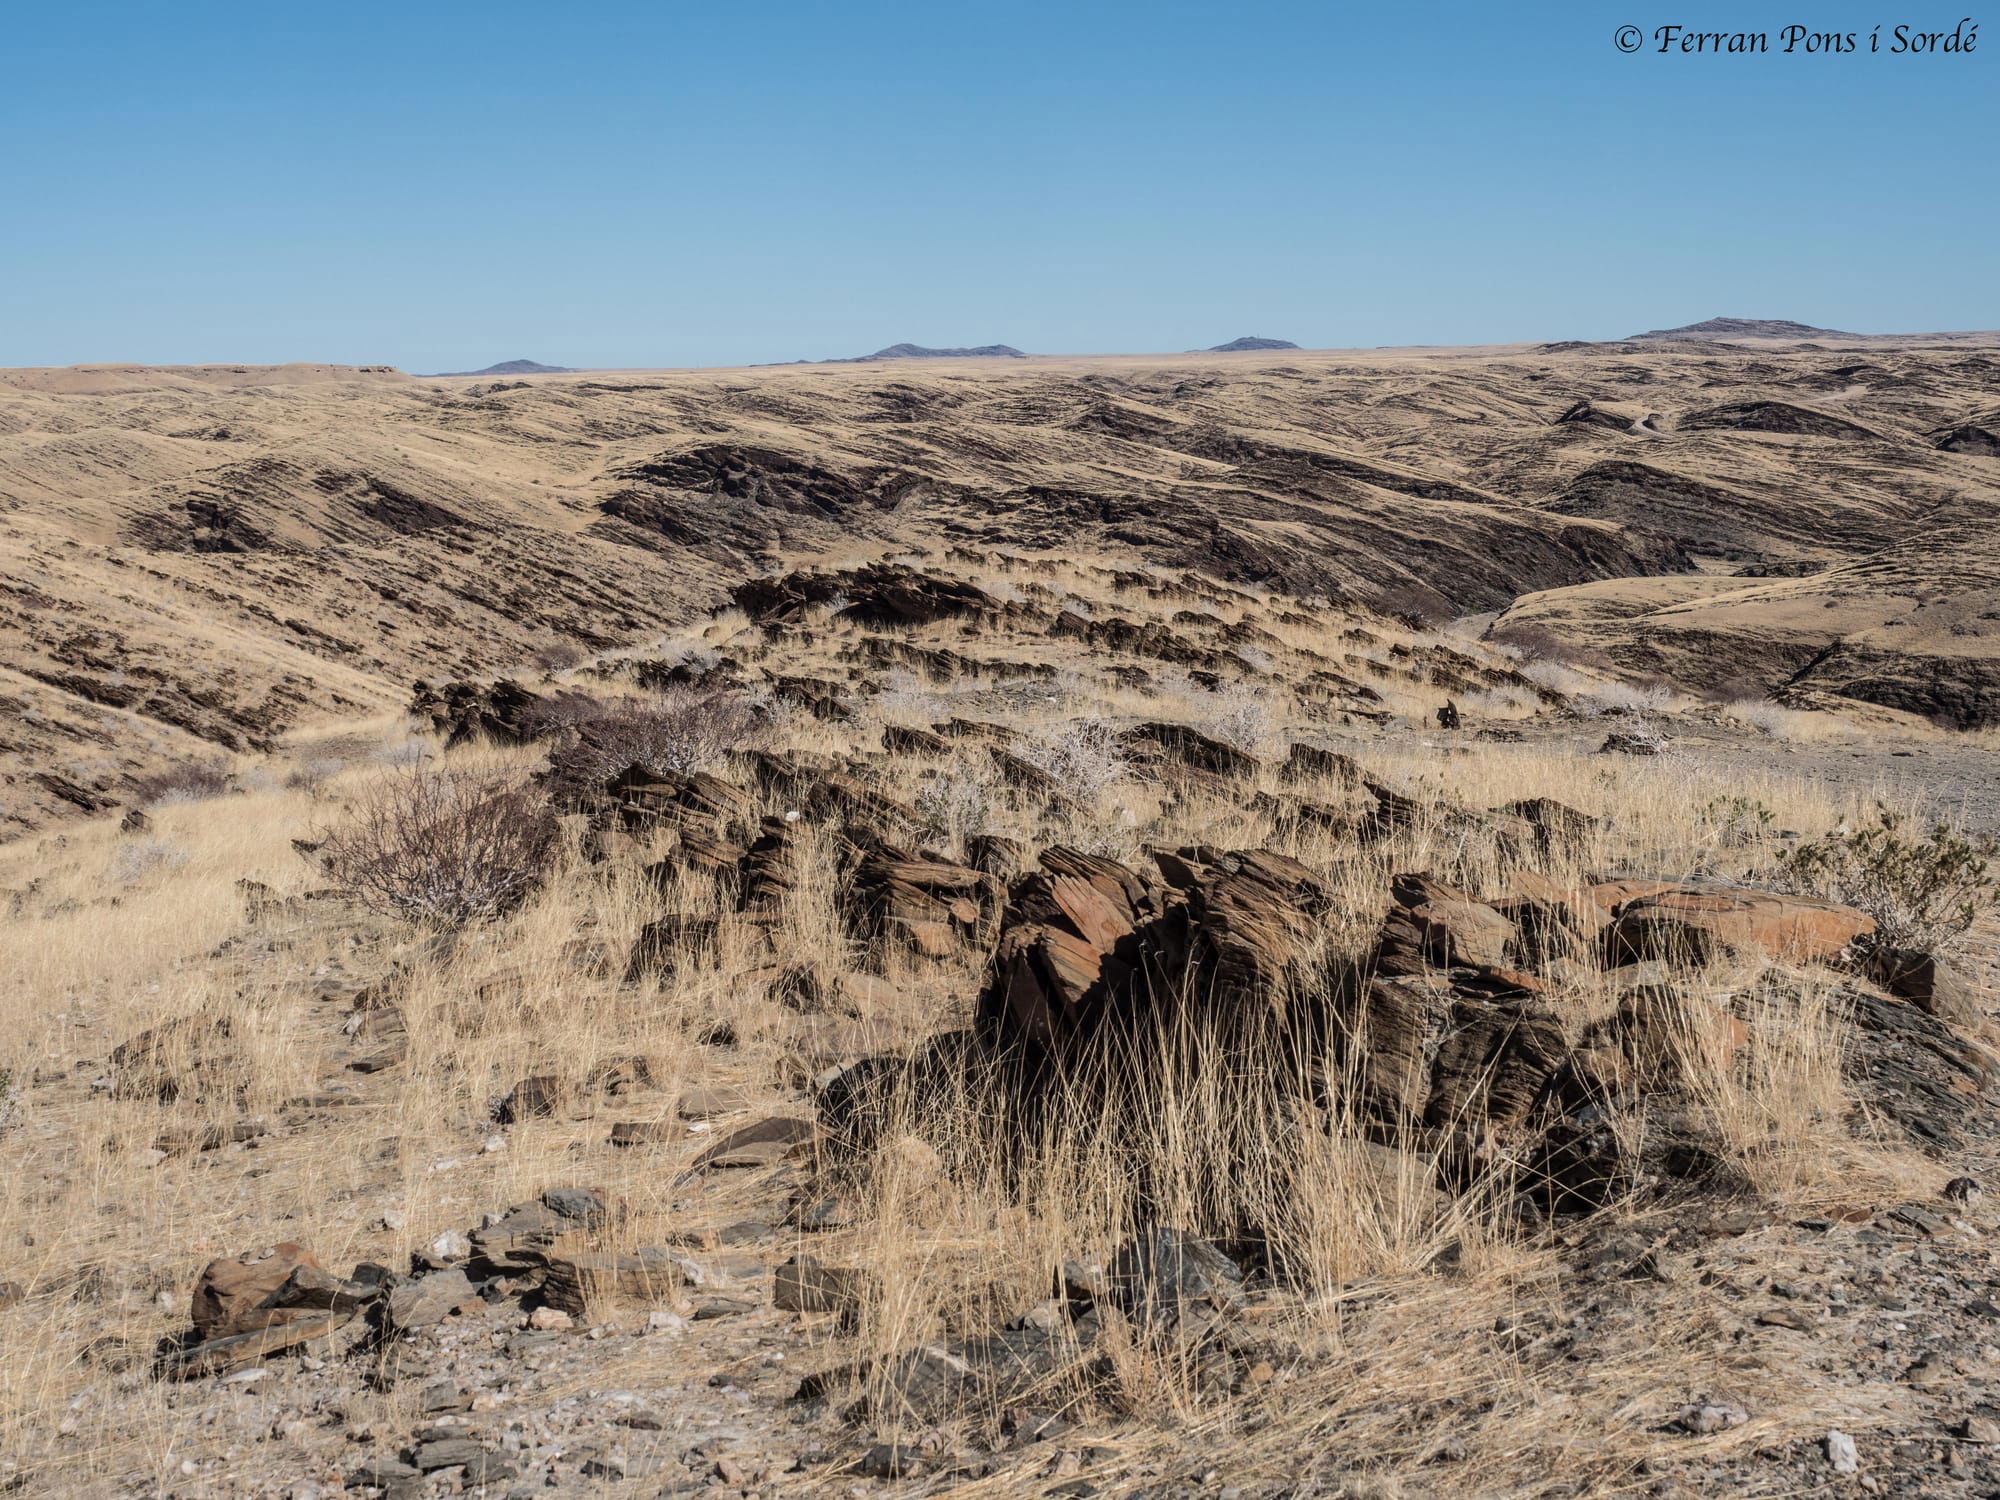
<point>1416,606</point>
<point>1738,822</point>
<point>311,776</point>
<point>681,730</point>
<point>558,656</point>
<point>559,713</point>
<point>1529,642</point>
<point>955,805</point>
<point>1239,716</point>
<point>1924,893</point>
<point>1626,698</point>
<point>443,847</point>
<point>906,698</point>
<point>190,781</point>
<point>1082,757</point>
<point>138,860</point>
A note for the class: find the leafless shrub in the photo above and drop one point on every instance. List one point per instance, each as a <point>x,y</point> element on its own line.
<point>1416,605</point>
<point>443,847</point>
<point>1626,698</point>
<point>136,861</point>
<point>311,776</point>
<point>561,712</point>
<point>1538,643</point>
<point>906,698</point>
<point>1239,716</point>
<point>1082,757</point>
<point>1762,715</point>
<point>698,659</point>
<point>190,781</point>
<point>955,805</point>
<point>558,656</point>
<point>1556,677</point>
<point>682,730</point>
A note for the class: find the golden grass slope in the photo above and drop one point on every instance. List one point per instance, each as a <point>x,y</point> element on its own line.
<point>212,555</point>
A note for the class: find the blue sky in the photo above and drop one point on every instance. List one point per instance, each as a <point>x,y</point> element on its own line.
<point>442,185</point>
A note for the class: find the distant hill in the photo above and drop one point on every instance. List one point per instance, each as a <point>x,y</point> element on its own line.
<point>918,351</point>
<point>1746,328</point>
<point>512,367</point>
<point>1248,342</point>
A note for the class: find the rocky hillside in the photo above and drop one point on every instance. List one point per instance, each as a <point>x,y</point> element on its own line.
<point>206,558</point>
<point>974,1017</point>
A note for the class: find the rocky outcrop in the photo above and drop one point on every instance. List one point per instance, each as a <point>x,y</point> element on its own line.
<point>1183,745</point>
<point>1979,441</point>
<point>1583,413</point>
<point>880,594</point>
<point>461,712</point>
<point>1695,924</point>
<point>1775,416</point>
<point>925,904</point>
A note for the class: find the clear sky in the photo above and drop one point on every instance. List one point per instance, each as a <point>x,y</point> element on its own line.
<point>439,185</point>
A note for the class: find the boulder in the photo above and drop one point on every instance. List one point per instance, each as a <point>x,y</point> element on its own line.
<point>760,1145</point>
<point>518,1240</point>
<point>996,855</point>
<point>1388,1046</point>
<point>928,905</point>
<point>190,1056</point>
<point>1920,978</point>
<point>237,1351</point>
<point>1087,944</point>
<point>231,1293</point>
<point>1498,1061</point>
<point>579,1284</point>
<point>803,1284</point>
<point>879,594</point>
<point>699,858</point>
<point>648,798</point>
<point>1692,924</point>
<point>534,1098</point>
<point>1190,747</point>
<point>1640,741</point>
<point>1560,830</point>
<point>770,867</point>
<point>1610,895</point>
<point>1453,930</point>
<point>427,1301</point>
<point>503,712</point>
<point>903,739</point>
<point>1162,1276</point>
<point>664,946</point>
<point>1552,920</point>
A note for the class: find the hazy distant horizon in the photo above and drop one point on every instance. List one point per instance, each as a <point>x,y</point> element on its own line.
<point>558,359</point>
<point>443,186</point>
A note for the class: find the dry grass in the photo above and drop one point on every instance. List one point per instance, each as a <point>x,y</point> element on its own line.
<point>1396,1300</point>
